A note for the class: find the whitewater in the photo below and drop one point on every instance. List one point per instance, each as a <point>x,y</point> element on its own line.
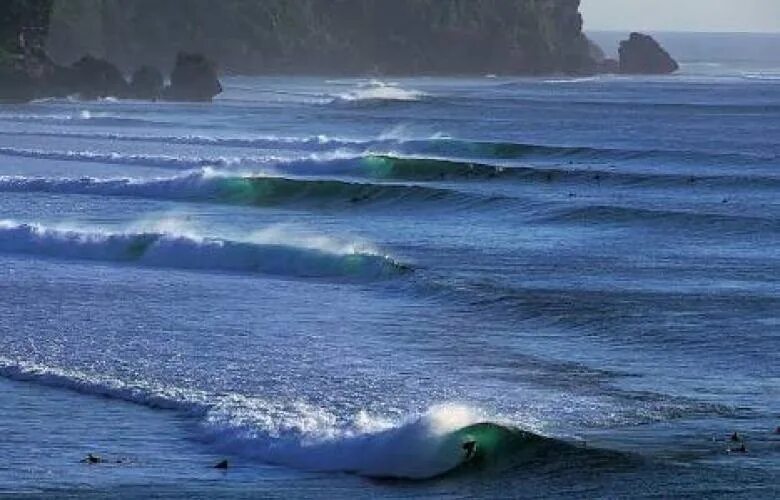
<point>337,285</point>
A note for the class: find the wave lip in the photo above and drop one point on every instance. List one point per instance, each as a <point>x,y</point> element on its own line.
<point>306,437</point>
<point>160,161</point>
<point>316,142</point>
<point>208,185</point>
<point>158,249</point>
<point>425,446</point>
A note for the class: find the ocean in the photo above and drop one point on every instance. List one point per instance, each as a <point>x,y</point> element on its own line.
<point>336,284</point>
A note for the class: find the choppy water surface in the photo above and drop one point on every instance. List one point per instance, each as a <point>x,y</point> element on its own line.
<point>335,284</point>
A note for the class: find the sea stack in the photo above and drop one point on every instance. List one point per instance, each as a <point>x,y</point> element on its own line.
<point>147,82</point>
<point>642,55</point>
<point>194,78</point>
<point>95,78</point>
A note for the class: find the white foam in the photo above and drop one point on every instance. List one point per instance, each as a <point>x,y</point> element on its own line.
<point>290,433</point>
<point>417,447</point>
<point>376,90</point>
<point>584,79</point>
<point>762,76</point>
<point>160,161</point>
<point>189,251</point>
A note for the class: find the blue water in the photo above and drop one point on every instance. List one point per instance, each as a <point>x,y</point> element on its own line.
<point>329,282</point>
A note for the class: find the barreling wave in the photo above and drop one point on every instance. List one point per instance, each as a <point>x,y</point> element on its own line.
<point>435,157</point>
<point>411,168</point>
<point>209,186</point>
<point>427,445</point>
<point>516,150</point>
<point>300,182</point>
<point>171,250</point>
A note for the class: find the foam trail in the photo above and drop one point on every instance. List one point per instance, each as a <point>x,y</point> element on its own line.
<point>160,161</point>
<point>300,435</point>
<point>156,249</point>
<point>315,143</point>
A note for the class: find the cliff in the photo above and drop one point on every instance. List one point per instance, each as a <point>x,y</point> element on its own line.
<point>28,17</point>
<point>23,26</point>
<point>329,36</point>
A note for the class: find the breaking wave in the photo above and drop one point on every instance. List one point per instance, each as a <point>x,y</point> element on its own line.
<point>376,91</point>
<point>316,143</point>
<point>323,148</point>
<point>420,446</point>
<point>207,185</point>
<point>172,250</point>
<point>159,161</point>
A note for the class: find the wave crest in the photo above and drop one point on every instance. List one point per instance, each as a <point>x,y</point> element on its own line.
<point>302,436</point>
<point>159,249</point>
<point>377,92</point>
<point>208,185</point>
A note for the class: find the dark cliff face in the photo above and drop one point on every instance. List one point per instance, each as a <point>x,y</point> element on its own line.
<point>330,36</point>
<point>641,54</point>
<point>23,24</point>
<point>18,16</point>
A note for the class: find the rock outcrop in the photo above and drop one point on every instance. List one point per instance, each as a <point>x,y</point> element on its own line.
<point>356,37</point>
<point>93,78</point>
<point>15,85</point>
<point>642,55</point>
<point>33,75</point>
<point>147,83</point>
<point>194,78</point>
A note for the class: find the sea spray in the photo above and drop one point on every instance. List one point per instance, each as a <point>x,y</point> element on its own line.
<point>295,433</point>
<point>163,249</point>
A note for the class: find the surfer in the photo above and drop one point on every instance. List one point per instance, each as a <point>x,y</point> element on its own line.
<point>470,447</point>
<point>92,459</point>
<point>741,449</point>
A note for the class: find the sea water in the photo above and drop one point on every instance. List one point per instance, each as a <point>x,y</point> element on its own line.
<point>334,283</point>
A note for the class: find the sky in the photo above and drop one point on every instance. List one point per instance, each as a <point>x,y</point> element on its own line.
<point>682,15</point>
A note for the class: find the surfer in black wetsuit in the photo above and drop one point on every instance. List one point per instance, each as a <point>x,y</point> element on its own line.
<point>92,459</point>
<point>471,449</point>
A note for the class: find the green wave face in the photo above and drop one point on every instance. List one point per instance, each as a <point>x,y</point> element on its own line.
<point>269,191</point>
<point>263,191</point>
<point>389,167</point>
<point>139,245</point>
<point>493,441</point>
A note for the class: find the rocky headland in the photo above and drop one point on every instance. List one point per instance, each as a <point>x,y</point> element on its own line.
<point>101,48</point>
<point>329,37</point>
